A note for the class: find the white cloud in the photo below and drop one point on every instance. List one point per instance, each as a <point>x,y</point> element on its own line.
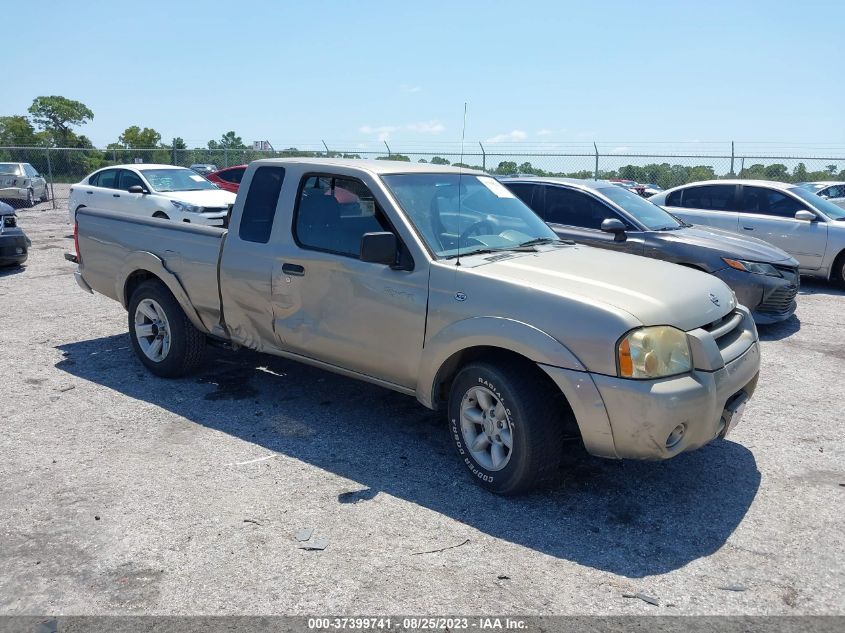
<point>545,132</point>
<point>410,89</point>
<point>512,136</point>
<point>427,127</point>
<point>620,150</point>
<point>383,132</point>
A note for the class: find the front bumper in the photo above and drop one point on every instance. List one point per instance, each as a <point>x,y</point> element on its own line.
<point>13,193</point>
<point>639,419</point>
<point>14,249</point>
<point>770,299</point>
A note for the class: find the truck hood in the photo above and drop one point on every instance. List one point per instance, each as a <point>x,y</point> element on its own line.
<point>205,198</point>
<point>725,244</point>
<point>652,291</point>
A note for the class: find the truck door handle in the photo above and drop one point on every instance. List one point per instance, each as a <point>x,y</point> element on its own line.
<point>293,270</point>
<point>748,228</point>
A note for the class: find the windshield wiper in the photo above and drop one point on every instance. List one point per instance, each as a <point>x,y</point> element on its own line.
<point>545,240</point>
<point>519,248</point>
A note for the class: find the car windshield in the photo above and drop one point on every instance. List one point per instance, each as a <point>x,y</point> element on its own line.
<point>812,186</point>
<point>831,210</point>
<point>164,180</point>
<point>646,213</point>
<point>464,214</point>
<point>10,168</point>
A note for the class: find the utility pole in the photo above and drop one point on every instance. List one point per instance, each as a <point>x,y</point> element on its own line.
<point>174,152</point>
<point>732,158</point>
<point>50,174</point>
<point>596,175</point>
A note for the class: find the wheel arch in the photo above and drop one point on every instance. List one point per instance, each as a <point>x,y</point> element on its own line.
<point>141,266</point>
<point>485,337</point>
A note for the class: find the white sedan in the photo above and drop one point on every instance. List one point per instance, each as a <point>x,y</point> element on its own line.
<point>158,191</point>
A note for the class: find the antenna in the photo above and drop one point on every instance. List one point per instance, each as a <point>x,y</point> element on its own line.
<point>460,177</point>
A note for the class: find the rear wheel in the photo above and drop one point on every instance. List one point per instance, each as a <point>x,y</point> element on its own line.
<point>30,199</point>
<point>507,425</point>
<point>46,196</point>
<point>163,337</point>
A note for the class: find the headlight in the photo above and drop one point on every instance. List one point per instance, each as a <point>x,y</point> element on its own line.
<point>184,206</point>
<point>654,352</point>
<point>752,267</point>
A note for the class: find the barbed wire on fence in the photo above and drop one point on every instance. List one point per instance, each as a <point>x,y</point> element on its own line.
<point>64,166</point>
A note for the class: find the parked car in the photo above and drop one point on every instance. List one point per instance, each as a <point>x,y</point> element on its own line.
<point>14,244</point>
<point>157,191</point>
<point>203,168</point>
<point>651,189</point>
<point>440,284</point>
<point>630,185</point>
<point>228,178</point>
<point>808,227</point>
<point>22,183</point>
<point>597,213</point>
<point>833,191</point>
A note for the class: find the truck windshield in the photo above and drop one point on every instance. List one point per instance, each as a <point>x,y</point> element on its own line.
<point>646,213</point>
<point>462,214</point>
<point>163,180</point>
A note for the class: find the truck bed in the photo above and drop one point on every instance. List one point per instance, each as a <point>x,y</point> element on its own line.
<point>109,242</point>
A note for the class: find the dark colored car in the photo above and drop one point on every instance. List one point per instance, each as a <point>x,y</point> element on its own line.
<point>228,178</point>
<point>600,213</point>
<point>14,245</point>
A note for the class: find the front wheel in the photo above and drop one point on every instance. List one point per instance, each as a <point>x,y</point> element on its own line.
<point>838,272</point>
<point>163,337</point>
<point>507,425</point>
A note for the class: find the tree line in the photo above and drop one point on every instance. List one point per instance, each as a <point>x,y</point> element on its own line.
<point>51,121</point>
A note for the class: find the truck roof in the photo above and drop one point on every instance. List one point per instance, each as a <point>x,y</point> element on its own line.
<point>373,166</point>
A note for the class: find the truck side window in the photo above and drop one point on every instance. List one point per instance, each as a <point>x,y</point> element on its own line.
<point>260,205</point>
<point>333,213</point>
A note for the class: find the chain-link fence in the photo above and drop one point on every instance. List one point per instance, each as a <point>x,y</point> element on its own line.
<point>64,166</point>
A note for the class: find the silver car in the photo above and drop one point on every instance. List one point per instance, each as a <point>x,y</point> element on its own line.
<point>808,227</point>
<point>833,191</point>
<point>22,182</point>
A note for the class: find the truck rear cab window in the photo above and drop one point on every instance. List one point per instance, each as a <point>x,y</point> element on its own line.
<point>333,213</point>
<point>260,205</point>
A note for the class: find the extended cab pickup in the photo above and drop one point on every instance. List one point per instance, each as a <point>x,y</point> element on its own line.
<point>439,283</point>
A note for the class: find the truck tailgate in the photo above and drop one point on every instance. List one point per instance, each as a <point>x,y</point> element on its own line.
<point>107,241</point>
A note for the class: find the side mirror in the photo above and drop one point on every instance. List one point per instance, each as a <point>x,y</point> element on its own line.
<point>805,216</point>
<point>613,225</point>
<point>137,189</point>
<point>379,248</point>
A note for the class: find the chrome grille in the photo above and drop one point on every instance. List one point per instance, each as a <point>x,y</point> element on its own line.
<point>726,325</point>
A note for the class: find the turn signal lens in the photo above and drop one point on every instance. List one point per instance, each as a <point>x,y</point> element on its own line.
<point>654,352</point>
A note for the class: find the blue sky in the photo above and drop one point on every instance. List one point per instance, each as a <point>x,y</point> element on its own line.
<point>621,73</point>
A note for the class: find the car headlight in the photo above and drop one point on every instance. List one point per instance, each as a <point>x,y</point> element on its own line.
<point>184,206</point>
<point>654,352</point>
<point>752,267</point>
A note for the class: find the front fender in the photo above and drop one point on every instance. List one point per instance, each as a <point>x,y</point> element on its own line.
<point>498,332</point>
<point>144,260</point>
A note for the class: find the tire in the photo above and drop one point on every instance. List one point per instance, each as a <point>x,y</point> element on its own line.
<point>30,199</point>
<point>181,344</point>
<point>161,214</point>
<point>837,275</point>
<point>46,196</point>
<point>525,412</point>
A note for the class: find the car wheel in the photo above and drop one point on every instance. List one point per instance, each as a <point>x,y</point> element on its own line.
<point>163,337</point>
<point>46,196</point>
<point>30,199</point>
<point>161,214</point>
<point>838,273</point>
<point>507,426</point>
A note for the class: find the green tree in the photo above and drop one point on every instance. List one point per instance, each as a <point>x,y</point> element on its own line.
<point>438,160</point>
<point>400,157</point>
<point>57,115</point>
<point>506,167</point>
<point>777,171</point>
<point>179,143</point>
<point>134,137</point>
<point>17,130</point>
<point>799,174</point>
<point>831,169</point>
<point>229,140</point>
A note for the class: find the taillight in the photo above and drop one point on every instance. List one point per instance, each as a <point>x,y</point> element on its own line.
<point>76,242</point>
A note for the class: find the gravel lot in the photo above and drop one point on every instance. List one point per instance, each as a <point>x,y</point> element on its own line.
<point>124,493</point>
